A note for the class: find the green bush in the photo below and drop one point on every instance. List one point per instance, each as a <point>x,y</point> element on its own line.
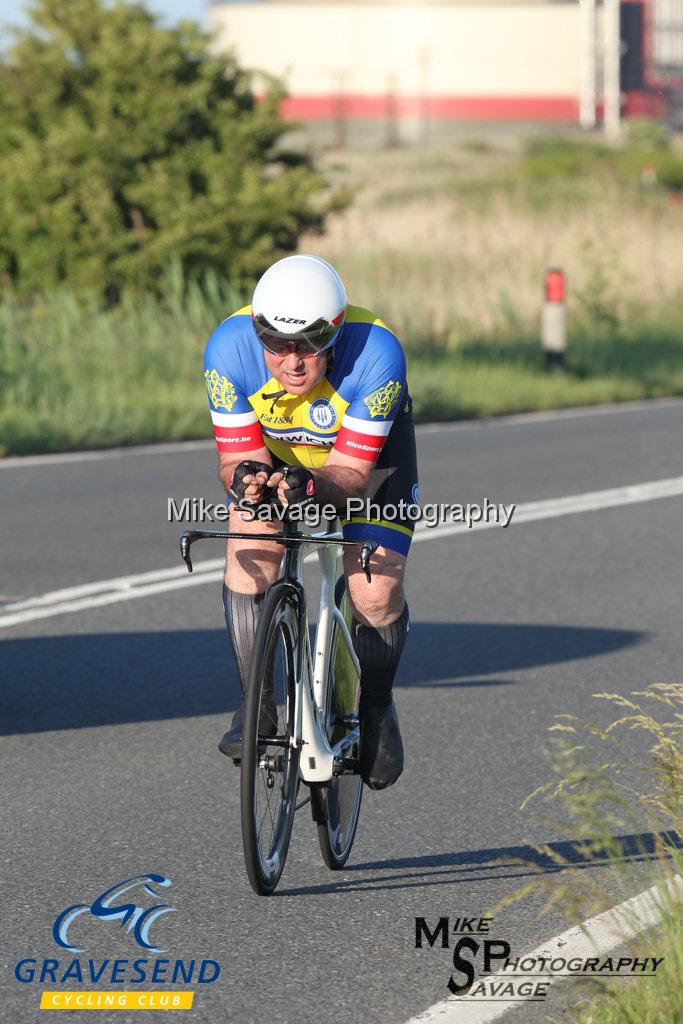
<point>656,167</point>
<point>548,159</point>
<point>646,133</point>
<point>646,148</point>
<point>125,145</point>
<point>669,170</point>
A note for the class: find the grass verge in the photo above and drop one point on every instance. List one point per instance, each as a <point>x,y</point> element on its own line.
<point>624,804</point>
<point>74,375</point>
<point>633,1003</point>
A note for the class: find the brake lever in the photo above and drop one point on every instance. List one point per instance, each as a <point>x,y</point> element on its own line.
<point>185,542</point>
<point>187,538</point>
<point>366,552</point>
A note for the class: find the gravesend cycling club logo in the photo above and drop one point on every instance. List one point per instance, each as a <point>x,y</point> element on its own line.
<point>134,906</point>
<point>322,414</point>
<point>138,919</point>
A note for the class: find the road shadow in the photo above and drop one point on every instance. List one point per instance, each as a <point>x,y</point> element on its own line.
<point>505,862</point>
<point>458,654</point>
<point>76,681</point>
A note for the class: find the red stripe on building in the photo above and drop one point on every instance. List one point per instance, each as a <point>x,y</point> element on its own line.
<point>475,108</point>
<point>360,446</point>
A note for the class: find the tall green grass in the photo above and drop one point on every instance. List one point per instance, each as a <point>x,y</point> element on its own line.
<point>622,804</point>
<point>74,374</point>
<point>489,377</point>
<point>633,1003</point>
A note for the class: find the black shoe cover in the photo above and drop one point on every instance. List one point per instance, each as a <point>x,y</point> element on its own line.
<point>231,744</point>
<point>381,747</point>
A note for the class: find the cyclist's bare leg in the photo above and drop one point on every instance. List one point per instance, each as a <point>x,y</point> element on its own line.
<point>381,601</point>
<point>379,629</point>
<point>251,566</point>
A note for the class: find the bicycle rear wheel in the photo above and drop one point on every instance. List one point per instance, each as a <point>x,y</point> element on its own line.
<point>270,765</point>
<point>336,805</point>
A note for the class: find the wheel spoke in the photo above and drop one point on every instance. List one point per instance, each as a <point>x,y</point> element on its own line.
<point>267,810</point>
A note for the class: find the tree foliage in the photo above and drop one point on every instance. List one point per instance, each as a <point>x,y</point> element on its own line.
<point>125,145</point>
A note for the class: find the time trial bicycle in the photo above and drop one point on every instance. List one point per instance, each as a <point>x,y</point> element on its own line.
<point>309,702</point>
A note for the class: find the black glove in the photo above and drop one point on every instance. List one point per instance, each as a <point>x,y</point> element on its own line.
<point>301,485</point>
<point>238,486</point>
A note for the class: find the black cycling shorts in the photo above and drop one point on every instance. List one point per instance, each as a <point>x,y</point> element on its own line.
<point>393,480</point>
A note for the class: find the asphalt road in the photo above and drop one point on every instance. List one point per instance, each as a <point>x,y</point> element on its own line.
<point>109,718</point>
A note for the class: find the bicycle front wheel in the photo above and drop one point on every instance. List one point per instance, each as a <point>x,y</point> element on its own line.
<point>270,765</point>
<point>336,805</point>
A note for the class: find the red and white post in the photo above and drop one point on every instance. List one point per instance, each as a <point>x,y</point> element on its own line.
<point>554,320</point>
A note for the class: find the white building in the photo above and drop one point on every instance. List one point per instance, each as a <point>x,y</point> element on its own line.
<point>450,59</point>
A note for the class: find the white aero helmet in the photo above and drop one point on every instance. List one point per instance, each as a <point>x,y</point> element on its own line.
<point>299,305</point>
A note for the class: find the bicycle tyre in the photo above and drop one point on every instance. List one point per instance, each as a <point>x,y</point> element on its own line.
<point>336,805</point>
<point>266,830</point>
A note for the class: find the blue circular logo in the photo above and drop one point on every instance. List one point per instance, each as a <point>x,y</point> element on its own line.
<point>415,494</point>
<point>322,414</point>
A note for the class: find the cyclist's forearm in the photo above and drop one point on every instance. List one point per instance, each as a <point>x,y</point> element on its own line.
<point>334,485</point>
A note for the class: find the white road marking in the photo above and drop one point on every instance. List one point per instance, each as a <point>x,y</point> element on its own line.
<point>552,508</point>
<point>597,935</point>
<point>127,588</point>
<point>124,584</point>
<point>103,592</point>
<point>113,597</point>
<point>178,447</point>
<point>170,448</point>
<point>546,415</point>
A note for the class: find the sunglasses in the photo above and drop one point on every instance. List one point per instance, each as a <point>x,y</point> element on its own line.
<point>309,342</point>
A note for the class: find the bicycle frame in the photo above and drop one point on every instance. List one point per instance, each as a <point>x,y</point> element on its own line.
<point>319,761</point>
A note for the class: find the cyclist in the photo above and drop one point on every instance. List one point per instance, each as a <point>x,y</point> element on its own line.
<point>309,402</point>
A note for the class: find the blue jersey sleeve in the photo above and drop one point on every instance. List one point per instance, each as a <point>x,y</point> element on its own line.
<point>234,421</point>
<point>377,396</point>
